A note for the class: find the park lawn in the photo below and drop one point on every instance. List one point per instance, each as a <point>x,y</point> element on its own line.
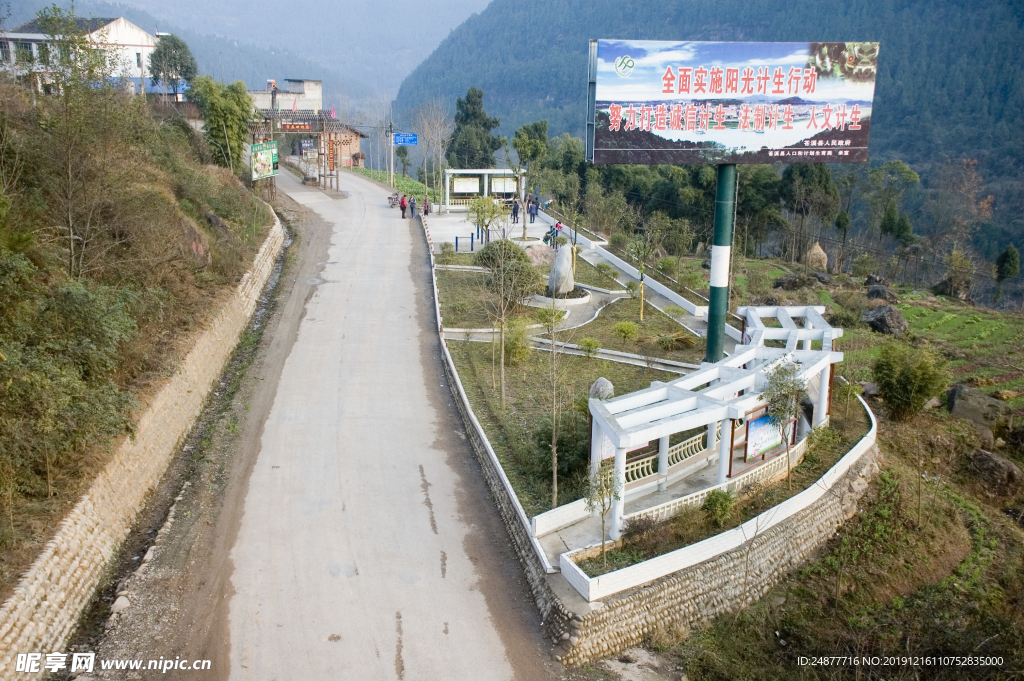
<point>528,404</point>
<point>655,324</point>
<point>455,259</point>
<point>591,276</point>
<point>464,297</point>
<point>694,524</point>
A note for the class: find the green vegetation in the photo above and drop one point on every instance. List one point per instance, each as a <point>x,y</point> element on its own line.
<point>472,144</point>
<point>406,185</point>
<point>172,63</point>
<point>618,327</point>
<point>907,378</point>
<point>226,110</point>
<point>510,49</point>
<point>116,240</point>
<point>520,433</point>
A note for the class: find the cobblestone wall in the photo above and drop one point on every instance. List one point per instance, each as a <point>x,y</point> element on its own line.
<point>44,609</point>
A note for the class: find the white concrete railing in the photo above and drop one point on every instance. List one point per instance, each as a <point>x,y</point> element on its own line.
<point>596,588</point>
<point>647,467</point>
<point>557,518</point>
<point>520,513</point>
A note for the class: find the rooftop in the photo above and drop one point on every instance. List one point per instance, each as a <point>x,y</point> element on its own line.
<point>85,24</point>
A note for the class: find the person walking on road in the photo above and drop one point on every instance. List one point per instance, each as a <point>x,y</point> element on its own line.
<point>533,210</point>
<point>515,211</point>
<point>412,207</point>
<point>426,204</point>
<point>404,204</point>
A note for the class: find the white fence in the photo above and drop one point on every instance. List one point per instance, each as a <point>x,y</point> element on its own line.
<point>596,588</point>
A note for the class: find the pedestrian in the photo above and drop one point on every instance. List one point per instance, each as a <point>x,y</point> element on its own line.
<point>426,204</point>
<point>533,210</point>
<point>515,211</point>
<point>404,204</point>
<point>412,207</point>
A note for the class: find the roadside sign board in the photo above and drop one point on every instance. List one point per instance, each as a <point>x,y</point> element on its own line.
<point>708,102</point>
<point>263,160</point>
<point>406,139</point>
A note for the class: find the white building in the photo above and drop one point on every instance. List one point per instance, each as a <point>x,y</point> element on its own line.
<point>128,45</point>
<point>297,95</point>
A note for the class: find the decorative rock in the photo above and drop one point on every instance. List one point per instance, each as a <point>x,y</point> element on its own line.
<point>1000,476</point>
<point>876,280</point>
<point>989,415</point>
<point>706,263</point>
<point>816,258</point>
<point>120,604</point>
<point>540,255</point>
<point>885,319</point>
<point>792,282</point>
<point>880,292</point>
<point>953,289</point>
<point>560,280</point>
<point>602,389</point>
<point>823,277</point>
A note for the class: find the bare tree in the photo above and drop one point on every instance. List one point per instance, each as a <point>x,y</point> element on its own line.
<point>602,492</point>
<point>435,125</point>
<point>783,393</point>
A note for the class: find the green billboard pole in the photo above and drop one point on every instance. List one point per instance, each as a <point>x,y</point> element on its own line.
<point>718,305</point>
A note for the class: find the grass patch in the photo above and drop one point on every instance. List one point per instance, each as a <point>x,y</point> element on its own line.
<point>512,433</point>
<point>654,326</point>
<point>464,297</point>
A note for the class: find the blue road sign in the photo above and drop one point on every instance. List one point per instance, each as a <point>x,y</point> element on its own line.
<point>407,139</point>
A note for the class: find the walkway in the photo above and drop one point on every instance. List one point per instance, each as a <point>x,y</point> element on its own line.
<point>369,548</point>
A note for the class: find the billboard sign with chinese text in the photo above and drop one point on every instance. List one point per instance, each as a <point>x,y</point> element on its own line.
<point>762,437</point>
<point>406,139</point>
<point>263,160</point>
<point>704,102</point>
<point>503,185</point>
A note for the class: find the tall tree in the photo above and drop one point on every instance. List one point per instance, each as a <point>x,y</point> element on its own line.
<point>172,63</point>
<point>402,154</point>
<point>1007,265</point>
<point>226,111</point>
<point>808,191</point>
<point>472,144</point>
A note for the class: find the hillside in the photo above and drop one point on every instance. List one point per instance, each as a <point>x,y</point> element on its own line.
<point>222,58</point>
<point>949,81</point>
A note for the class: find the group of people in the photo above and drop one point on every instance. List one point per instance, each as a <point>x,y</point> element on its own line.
<point>409,203</point>
<point>532,208</point>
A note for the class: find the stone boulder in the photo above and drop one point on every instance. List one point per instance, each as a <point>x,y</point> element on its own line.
<point>794,281</point>
<point>1000,476</point>
<point>706,263</point>
<point>540,255</point>
<point>869,390</point>
<point>885,319</point>
<point>990,416</point>
<point>880,292</point>
<point>876,280</point>
<point>602,389</point>
<point>816,258</point>
<point>560,281</point>
<point>959,288</point>
<point>823,277</point>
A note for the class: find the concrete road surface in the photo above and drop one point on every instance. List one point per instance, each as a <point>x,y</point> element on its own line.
<point>365,550</point>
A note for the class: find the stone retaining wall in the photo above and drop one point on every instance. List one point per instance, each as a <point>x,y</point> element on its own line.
<point>726,583</point>
<point>44,609</point>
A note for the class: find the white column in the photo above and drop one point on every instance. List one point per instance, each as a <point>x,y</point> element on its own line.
<point>821,409</point>
<point>596,447</point>
<point>724,450</point>
<point>618,505</point>
<point>446,196</point>
<point>807,341</point>
<point>662,462</point>
<point>802,425</point>
<point>712,439</point>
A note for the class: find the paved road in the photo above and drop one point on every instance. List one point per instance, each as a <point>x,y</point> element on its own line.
<point>368,548</point>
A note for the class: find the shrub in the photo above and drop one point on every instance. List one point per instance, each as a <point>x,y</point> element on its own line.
<point>517,342</point>
<point>668,264</point>
<point>633,288</point>
<point>692,280</point>
<point>626,331</point>
<point>719,505</point>
<point>675,341</point>
<point>863,265</point>
<point>908,377</point>
<point>619,240</point>
<point>589,346</point>
<point>447,253</point>
<point>561,241</point>
<point>757,282</point>
<point>675,311</point>
<point>607,270</point>
<point>498,251</point>
<point>573,446</point>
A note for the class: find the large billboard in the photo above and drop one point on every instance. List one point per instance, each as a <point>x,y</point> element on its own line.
<point>704,102</point>
<point>263,159</point>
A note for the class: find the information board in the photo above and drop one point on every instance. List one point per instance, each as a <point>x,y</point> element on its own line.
<point>263,160</point>
<point>406,139</point>
<point>503,185</point>
<point>708,102</point>
<point>466,185</point>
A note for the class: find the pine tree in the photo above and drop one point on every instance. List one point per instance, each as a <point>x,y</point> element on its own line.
<point>473,145</point>
<point>1007,265</point>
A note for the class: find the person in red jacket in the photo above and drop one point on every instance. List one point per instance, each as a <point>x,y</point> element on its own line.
<point>404,204</point>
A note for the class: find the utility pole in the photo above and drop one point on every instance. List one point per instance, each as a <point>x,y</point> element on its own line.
<point>718,306</point>
<point>391,154</point>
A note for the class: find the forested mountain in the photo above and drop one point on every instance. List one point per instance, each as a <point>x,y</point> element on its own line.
<point>375,43</point>
<point>950,79</point>
<point>222,58</point>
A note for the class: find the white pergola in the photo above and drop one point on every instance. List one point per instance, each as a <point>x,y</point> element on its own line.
<point>715,395</point>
